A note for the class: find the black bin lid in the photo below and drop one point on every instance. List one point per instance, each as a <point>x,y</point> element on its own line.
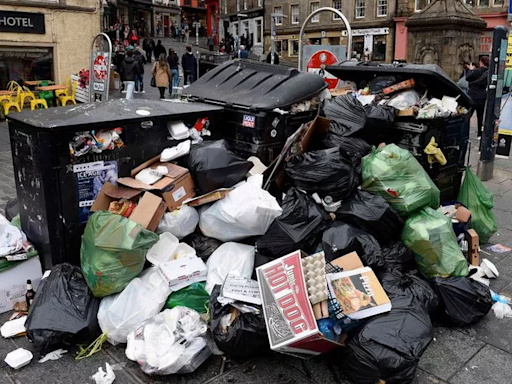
<point>430,76</point>
<point>112,112</point>
<point>255,86</point>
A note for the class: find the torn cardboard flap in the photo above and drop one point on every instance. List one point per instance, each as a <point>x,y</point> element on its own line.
<point>109,193</point>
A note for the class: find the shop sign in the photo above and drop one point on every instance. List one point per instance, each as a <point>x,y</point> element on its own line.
<point>249,15</point>
<point>485,46</point>
<point>367,31</point>
<point>22,22</point>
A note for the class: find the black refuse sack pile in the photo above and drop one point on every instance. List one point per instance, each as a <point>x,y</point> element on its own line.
<point>343,199</point>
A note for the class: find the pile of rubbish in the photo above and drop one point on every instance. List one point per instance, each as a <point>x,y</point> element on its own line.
<point>353,249</point>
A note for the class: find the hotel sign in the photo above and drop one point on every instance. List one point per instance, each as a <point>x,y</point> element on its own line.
<point>22,22</point>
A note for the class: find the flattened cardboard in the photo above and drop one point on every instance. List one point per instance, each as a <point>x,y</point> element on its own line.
<point>348,262</point>
<point>210,197</point>
<point>183,189</point>
<point>407,112</point>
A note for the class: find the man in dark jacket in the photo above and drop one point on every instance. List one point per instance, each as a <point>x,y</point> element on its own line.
<point>189,64</point>
<point>140,56</point>
<point>159,49</point>
<point>477,79</point>
<point>129,70</point>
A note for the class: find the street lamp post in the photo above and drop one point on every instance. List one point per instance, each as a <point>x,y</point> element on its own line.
<point>273,18</point>
<point>197,24</point>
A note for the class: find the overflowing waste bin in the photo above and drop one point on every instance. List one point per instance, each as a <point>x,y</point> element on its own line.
<point>409,131</point>
<point>59,170</point>
<point>263,104</point>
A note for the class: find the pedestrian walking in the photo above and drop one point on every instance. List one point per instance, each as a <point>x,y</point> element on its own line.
<point>162,74</point>
<point>150,49</point>
<point>159,50</point>
<point>189,64</point>
<point>128,72</point>
<point>173,62</point>
<point>243,53</point>
<point>134,38</point>
<point>477,79</point>
<point>210,42</point>
<point>140,56</point>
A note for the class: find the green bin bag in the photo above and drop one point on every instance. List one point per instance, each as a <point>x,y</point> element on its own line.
<point>194,297</point>
<point>113,252</point>
<point>429,234</point>
<point>479,200</point>
<point>396,175</point>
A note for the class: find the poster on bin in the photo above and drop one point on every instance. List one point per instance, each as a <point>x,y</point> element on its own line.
<point>90,178</point>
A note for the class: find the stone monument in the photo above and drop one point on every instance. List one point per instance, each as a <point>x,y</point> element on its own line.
<point>445,33</point>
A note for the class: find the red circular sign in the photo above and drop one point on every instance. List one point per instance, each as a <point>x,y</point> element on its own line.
<point>100,68</point>
<point>317,63</point>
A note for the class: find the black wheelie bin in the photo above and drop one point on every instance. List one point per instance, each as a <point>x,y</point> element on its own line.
<point>55,187</point>
<point>263,104</point>
<point>451,133</point>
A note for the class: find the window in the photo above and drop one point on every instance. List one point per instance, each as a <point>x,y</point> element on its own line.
<point>314,7</point>
<point>293,47</point>
<point>379,48</point>
<point>279,47</point>
<point>27,63</point>
<point>498,3</point>
<point>471,3</point>
<point>420,5</point>
<point>238,5</point>
<point>382,8</point>
<point>259,31</point>
<point>360,8</point>
<point>260,3</point>
<point>336,4</point>
<point>245,29</point>
<point>245,4</point>
<point>294,10</point>
<point>235,29</point>
<point>226,7</point>
<point>279,10</point>
<point>483,3</point>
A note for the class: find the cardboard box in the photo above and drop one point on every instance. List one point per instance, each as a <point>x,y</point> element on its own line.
<point>176,187</point>
<point>148,213</point>
<point>407,112</point>
<point>291,325</point>
<point>473,247</point>
<point>341,91</point>
<point>180,273</point>
<point>463,214</point>
<point>207,198</point>
<point>13,282</point>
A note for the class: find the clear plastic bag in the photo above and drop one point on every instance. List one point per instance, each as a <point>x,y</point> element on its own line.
<point>181,222</point>
<point>246,211</point>
<point>229,259</point>
<point>172,341</point>
<point>142,298</point>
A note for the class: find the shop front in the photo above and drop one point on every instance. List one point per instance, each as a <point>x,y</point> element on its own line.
<point>250,28</point>
<point>138,14</point>
<point>29,36</point>
<point>372,43</point>
<point>212,18</point>
<point>165,17</point>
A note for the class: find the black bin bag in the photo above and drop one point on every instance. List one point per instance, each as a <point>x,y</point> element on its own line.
<point>298,226</point>
<point>398,257</point>
<point>373,214</point>
<point>462,300</point>
<point>380,116</point>
<point>329,172</point>
<point>342,238</point>
<point>245,336</point>
<point>203,245</point>
<point>388,347</point>
<point>355,147</point>
<point>64,311</point>
<point>347,115</point>
<point>213,166</point>
<point>410,287</point>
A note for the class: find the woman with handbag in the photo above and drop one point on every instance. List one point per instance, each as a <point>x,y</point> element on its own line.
<point>162,74</point>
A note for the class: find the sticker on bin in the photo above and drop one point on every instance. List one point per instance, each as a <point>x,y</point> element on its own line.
<point>249,121</point>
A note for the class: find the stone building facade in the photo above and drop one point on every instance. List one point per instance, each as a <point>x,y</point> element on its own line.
<point>249,25</point>
<point>371,21</point>
<point>53,42</point>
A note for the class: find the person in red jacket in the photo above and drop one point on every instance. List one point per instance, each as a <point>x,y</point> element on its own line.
<point>134,39</point>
